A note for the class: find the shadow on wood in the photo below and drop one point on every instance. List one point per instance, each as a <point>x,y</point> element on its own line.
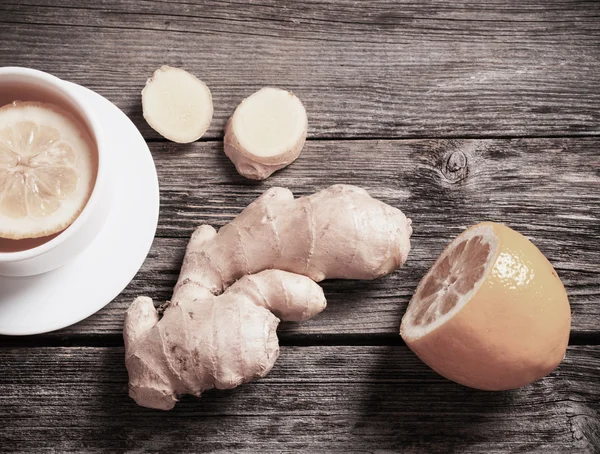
<point>319,399</point>
<point>420,410</point>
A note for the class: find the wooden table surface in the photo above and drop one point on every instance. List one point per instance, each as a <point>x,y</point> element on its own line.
<point>454,112</point>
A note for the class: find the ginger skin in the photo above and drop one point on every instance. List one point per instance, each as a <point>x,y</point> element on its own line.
<point>214,341</point>
<point>219,333</point>
<point>338,233</point>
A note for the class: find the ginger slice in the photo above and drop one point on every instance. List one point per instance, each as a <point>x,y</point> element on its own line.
<point>177,105</point>
<point>266,132</point>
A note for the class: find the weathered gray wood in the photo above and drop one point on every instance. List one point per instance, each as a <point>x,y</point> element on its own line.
<point>364,69</point>
<point>548,189</point>
<point>378,69</point>
<point>316,399</point>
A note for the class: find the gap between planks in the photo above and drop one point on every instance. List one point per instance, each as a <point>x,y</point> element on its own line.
<point>408,137</point>
<point>285,340</point>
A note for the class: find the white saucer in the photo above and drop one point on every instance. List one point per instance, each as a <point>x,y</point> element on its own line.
<point>38,304</point>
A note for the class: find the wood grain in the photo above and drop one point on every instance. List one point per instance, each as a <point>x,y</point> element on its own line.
<point>548,189</point>
<point>363,69</point>
<point>316,399</point>
<point>465,75</point>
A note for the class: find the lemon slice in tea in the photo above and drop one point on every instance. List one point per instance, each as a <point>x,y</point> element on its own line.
<point>47,169</point>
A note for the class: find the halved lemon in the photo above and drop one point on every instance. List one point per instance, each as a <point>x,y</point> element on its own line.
<point>491,313</point>
<point>47,167</point>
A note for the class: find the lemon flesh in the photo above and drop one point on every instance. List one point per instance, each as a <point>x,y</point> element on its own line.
<point>46,169</point>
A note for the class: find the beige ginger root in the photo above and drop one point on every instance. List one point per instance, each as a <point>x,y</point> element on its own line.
<point>212,341</point>
<point>266,132</point>
<point>338,233</point>
<point>206,341</point>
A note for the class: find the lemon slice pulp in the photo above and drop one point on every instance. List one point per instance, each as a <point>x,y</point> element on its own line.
<point>452,280</point>
<point>47,173</point>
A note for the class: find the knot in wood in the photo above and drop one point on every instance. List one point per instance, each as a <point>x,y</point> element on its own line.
<point>455,167</point>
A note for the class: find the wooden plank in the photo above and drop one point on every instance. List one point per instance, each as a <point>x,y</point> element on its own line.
<point>548,189</point>
<point>316,399</point>
<point>364,69</point>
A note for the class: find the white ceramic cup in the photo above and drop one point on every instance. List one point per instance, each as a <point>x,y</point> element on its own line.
<point>73,240</point>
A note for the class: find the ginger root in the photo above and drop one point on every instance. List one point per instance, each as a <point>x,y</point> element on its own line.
<point>338,233</point>
<point>266,132</point>
<point>212,341</point>
<point>276,250</point>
